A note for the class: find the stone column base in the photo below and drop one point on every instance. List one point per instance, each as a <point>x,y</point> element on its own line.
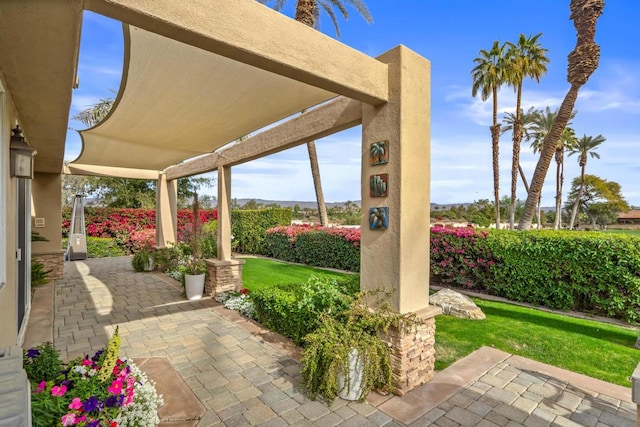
<point>53,262</point>
<point>413,354</point>
<point>223,276</point>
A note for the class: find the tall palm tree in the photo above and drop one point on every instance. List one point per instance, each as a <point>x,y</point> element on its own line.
<point>528,121</point>
<point>584,147</point>
<point>583,61</point>
<point>308,12</point>
<point>526,58</point>
<point>488,76</point>
<point>541,128</point>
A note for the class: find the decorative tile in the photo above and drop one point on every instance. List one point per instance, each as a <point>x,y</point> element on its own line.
<point>379,218</point>
<point>378,185</point>
<point>379,153</point>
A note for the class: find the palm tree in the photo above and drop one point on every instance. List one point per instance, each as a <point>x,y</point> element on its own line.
<point>488,76</point>
<point>526,58</point>
<point>585,147</point>
<point>542,126</point>
<point>583,61</point>
<point>308,12</point>
<point>92,115</point>
<point>527,121</point>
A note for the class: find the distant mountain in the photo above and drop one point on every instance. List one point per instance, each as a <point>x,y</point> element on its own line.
<point>313,204</point>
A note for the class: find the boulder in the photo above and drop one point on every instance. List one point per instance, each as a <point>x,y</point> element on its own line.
<point>455,304</point>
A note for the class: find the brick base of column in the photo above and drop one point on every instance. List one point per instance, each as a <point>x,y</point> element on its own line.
<point>223,276</point>
<point>53,262</point>
<point>413,354</point>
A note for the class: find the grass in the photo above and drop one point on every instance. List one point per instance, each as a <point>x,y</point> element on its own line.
<point>259,273</point>
<point>98,247</point>
<point>592,348</point>
<point>589,347</point>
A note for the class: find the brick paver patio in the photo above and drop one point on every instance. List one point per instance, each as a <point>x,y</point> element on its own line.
<point>241,379</point>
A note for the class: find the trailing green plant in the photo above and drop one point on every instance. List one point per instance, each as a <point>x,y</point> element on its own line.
<point>101,247</point>
<point>327,350</point>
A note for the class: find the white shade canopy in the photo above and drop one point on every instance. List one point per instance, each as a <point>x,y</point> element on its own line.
<point>177,101</point>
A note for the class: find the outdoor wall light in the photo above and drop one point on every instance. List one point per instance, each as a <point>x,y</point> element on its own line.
<point>21,155</point>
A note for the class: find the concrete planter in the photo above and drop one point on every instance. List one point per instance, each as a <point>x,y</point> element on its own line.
<point>194,286</point>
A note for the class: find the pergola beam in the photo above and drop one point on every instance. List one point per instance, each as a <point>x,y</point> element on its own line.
<point>93,170</point>
<point>251,33</point>
<point>327,119</point>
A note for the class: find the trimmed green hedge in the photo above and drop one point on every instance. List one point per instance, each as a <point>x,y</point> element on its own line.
<point>585,271</point>
<point>319,246</point>
<point>249,227</point>
<point>294,310</point>
<point>591,272</point>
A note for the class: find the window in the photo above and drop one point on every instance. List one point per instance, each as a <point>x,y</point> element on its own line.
<point>3,188</point>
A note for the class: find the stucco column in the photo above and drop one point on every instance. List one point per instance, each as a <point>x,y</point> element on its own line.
<point>224,213</point>
<point>166,211</point>
<point>224,273</point>
<point>395,200</point>
<point>46,220</point>
<point>397,258</point>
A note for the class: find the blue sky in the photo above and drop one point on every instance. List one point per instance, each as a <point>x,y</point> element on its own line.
<point>450,34</point>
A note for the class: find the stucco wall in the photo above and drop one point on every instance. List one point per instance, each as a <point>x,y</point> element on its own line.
<point>8,314</point>
<point>46,206</point>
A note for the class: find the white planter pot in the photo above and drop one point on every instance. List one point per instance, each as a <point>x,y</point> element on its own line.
<point>194,286</point>
<point>351,388</point>
<point>149,265</point>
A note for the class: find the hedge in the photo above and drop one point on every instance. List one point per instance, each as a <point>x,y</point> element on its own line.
<point>249,227</point>
<point>590,272</point>
<point>316,245</point>
<point>294,310</point>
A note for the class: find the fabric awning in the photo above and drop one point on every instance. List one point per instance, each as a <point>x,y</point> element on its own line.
<point>177,101</point>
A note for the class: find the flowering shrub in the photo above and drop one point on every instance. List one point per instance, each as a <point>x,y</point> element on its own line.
<point>141,239</point>
<point>119,222</point>
<point>316,245</point>
<point>97,391</point>
<point>458,258</point>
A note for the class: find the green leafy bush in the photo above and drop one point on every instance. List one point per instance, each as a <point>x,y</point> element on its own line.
<point>38,273</point>
<point>322,249</point>
<point>316,245</point>
<point>42,363</point>
<point>249,227</point>
<point>294,310</point>
<point>592,272</point>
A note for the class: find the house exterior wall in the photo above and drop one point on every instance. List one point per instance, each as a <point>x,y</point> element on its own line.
<point>47,207</point>
<point>8,292</point>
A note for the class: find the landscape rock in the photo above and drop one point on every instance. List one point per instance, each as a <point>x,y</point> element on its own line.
<point>455,304</point>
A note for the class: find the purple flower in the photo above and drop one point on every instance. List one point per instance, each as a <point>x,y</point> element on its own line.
<point>91,404</point>
<point>97,355</point>
<point>33,352</point>
<point>111,401</point>
<point>93,423</point>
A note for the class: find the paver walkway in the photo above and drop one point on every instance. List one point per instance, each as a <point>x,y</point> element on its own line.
<point>242,380</point>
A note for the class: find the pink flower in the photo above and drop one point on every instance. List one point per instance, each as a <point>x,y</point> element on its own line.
<point>69,419</point>
<point>116,387</point>
<point>41,387</point>
<point>76,403</point>
<point>58,390</point>
<point>87,362</point>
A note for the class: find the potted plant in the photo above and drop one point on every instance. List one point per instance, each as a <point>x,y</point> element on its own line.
<point>143,259</point>
<point>347,356</point>
<point>195,270</point>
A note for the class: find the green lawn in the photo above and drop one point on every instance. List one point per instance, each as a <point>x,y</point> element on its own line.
<point>592,348</point>
<point>260,273</point>
<point>627,232</point>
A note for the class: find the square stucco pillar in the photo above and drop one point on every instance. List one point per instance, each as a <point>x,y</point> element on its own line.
<point>224,273</point>
<point>396,257</point>
<point>166,211</point>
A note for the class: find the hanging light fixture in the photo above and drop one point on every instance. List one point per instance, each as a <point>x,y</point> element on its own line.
<point>21,155</point>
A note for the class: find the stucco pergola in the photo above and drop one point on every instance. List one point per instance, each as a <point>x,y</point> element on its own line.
<point>270,67</point>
